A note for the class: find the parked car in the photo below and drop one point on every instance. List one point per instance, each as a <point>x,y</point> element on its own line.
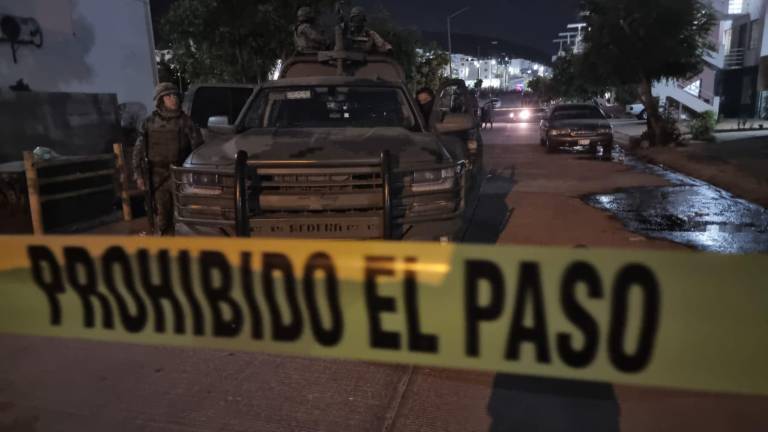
<point>577,125</point>
<point>323,154</point>
<point>637,110</point>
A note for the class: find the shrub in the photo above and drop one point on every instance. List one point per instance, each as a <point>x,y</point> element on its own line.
<point>703,125</point>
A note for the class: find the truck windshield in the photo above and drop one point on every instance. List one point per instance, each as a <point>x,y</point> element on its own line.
<point>331,106</point>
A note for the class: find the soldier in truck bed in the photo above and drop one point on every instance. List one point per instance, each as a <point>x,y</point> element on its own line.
<point>166,138</point>
<point>363,38</point>
<point>306,36</point>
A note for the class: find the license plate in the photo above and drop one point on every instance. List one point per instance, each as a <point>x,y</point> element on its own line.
<point>361,227</point>
<point>584,142</point>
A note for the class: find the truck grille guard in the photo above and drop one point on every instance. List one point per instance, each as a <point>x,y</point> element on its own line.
<point>239,200</point>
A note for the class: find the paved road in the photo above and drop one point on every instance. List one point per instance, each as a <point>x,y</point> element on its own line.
<point>532,198</point>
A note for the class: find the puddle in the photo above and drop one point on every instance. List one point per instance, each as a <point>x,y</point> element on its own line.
<point>690,212</point>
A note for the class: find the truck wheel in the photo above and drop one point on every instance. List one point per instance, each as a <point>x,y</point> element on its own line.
<point>643,115</point>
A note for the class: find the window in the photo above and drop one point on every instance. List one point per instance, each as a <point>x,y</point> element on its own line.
<point>331,106</point>
<point>727,40</point>
<point>742,36</point>
<point>575,112</point>
<point>735,7</point>
<point>747,90</point>
<point>756,34</point>
<point>694,88</point>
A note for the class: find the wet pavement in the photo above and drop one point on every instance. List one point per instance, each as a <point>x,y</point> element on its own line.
<point>690,212</point>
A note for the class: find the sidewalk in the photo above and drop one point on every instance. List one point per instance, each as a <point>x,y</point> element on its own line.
<point>735,161</point>
<point>727,125</point>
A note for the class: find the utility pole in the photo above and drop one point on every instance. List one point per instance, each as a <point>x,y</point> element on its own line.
<point>450,42</point>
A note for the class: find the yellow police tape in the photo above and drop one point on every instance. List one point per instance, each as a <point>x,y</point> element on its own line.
<point>681,320</point>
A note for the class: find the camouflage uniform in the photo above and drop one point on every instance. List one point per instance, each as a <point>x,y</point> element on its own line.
<point>363,38</point>
<point>165,138</point>
<point>305,36</point>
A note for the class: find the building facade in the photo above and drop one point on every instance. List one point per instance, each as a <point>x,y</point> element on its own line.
<point>80,46</point>
<point>734,80</point>
<point>740,65</point>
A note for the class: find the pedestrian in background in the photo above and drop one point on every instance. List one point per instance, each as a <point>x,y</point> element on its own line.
<point>486,115</point>
<point>166,137</point>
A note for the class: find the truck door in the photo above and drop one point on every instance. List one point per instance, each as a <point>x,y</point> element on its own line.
<point>211,100</point>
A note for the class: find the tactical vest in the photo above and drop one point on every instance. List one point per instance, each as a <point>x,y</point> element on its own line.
<point>165,145</point>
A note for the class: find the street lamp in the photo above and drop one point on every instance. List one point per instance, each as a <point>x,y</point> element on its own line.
<point>450,43</point>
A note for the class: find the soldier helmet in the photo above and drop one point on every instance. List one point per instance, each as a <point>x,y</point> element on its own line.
<point>305,13</point>
<point>357,11</point>
<point>164,89</point>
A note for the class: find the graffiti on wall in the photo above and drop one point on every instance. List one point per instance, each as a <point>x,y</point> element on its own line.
<point>20,31</point>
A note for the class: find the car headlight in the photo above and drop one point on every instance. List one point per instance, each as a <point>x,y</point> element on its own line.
<point>511,115</point>
<point>525,115</point>
<point>433,180</point>
<point>559,131</point>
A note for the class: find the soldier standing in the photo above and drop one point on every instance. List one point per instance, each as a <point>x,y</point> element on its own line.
<point>306,37</point>
<point>363,38</point>
<point>166,138</point>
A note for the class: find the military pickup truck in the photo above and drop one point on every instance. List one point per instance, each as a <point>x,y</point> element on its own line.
<point>334,148</point>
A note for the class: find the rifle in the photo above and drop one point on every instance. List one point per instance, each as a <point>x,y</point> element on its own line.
<point>149,193</point>
<point>342,27</point>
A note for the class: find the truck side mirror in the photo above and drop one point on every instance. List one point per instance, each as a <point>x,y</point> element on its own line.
<point>220,124</point>
<point>455,122</point>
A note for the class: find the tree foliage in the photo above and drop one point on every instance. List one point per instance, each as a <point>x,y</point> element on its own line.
<point>630,42</point>
<point>429,69</point>
<point>231,40</point>
<point>542,88</point>
<point>572,80</point>
<point>242,40</point>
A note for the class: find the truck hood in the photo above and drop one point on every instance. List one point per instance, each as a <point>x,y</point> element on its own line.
<point>407,148</point>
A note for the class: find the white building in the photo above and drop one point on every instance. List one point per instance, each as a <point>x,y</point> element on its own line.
<point>81,46</point>
<point>734,80</point>
<point>499,73</point>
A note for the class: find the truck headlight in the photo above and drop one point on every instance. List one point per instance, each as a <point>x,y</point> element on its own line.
<point>433,180</point>
<point>200,183</point>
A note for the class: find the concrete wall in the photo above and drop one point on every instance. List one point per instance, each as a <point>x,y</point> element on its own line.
<point>72,124</point>
<point>756,9</point>
<point>89,46</point>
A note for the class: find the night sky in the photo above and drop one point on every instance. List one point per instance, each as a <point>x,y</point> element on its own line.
<point>527,22</point>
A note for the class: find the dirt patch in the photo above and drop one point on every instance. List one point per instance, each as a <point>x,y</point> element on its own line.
<point>730,173</point>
